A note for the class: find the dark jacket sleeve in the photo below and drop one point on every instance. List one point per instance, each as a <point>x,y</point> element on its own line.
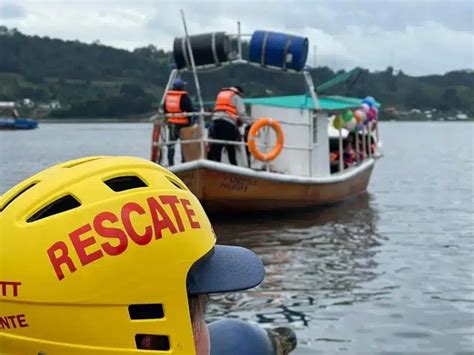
<point>186,104</point>
<point>164,106</point>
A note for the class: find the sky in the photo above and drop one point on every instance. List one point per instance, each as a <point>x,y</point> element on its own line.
<point>419,37</point>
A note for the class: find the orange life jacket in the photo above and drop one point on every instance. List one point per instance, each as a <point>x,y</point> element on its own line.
<point>224,103</point>
<point>173,105</point>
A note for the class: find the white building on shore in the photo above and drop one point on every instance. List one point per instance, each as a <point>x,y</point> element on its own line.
<point>7,104</point>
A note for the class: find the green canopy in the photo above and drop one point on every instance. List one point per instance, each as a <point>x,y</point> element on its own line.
<point>326,103</point>
<point>339,79</point>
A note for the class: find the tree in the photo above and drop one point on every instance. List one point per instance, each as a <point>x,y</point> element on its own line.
<point>449,100</point>
<point>389,79</point>
<point>148,52</point>
<point>419,97</point>
<point>96,80</point>
<point>132,90</point>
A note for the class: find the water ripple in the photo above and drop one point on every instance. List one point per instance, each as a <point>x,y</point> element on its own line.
<point>388,272</point>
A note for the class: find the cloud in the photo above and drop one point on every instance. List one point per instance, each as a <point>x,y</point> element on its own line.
<point>417,36</point>
<point>11,11</point>
<point>421,49</point>
<point>331,16</point>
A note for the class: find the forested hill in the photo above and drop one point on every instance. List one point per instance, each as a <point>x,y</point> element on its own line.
<point>93,80</point>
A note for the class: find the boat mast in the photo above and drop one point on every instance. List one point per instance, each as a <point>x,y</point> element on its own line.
<point>314,57</point>
<point>239,41</point>
<point>314,114</point>
<point>196,83</point>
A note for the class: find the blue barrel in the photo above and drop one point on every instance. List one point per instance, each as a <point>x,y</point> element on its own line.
<point>278,50</point>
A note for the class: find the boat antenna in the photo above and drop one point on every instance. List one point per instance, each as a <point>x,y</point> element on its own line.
<point>239,40</point>
<point>314,56</point>
<point>354,81</point>
<point>196,81</point>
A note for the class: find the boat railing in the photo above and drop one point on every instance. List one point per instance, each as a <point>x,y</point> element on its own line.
<point>203,140</point>
<point>220,141</point>
<point>364,149</point>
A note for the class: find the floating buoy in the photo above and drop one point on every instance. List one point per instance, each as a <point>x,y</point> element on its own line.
<point>260,123</point>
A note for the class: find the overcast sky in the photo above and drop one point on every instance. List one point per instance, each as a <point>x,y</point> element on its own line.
<point>418,36</point>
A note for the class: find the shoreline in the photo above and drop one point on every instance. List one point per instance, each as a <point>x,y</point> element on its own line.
<point>94,120</point>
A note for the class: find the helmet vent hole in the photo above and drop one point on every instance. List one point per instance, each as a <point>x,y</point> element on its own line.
<point>152,342</point>
<point>123,183</point>
<point>18,195</point>
<point>175,183</point>
<point>146,311</point>
<point>62,204</point>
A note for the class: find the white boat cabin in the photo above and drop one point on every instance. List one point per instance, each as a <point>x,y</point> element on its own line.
<point>309,135</point>
<point>307,131</point>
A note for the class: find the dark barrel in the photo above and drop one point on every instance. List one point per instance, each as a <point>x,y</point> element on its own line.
<point>208,48</point>
<point>278,50</point>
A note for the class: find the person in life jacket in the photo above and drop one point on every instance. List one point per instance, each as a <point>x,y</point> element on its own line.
<point>177,101</point>
<point>229,110</point>
<point>107,255</point>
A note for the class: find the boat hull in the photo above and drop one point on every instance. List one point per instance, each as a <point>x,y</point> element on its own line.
<point>223,189</point>
<point>19,124</point>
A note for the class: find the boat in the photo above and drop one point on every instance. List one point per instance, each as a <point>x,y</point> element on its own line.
<point>13,122</point>
<point>309,127</point>
<point>18,123</point>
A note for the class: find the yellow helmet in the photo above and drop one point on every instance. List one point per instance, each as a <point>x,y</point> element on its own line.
<point>98,252</point>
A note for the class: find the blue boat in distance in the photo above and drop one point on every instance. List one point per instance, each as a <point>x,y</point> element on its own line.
<point>19,123</point>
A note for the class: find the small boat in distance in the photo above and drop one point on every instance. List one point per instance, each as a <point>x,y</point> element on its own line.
<point>13,122</point>
<point>19,123</point>
<point>303,164</point>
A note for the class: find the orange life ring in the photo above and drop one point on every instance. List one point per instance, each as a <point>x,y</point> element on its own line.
<point>252,144</point>
<point>155,149</point>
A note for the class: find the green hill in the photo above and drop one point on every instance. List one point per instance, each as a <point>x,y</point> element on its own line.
<point>93,80</point>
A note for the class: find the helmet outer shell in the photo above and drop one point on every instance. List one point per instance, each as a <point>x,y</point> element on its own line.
<point>69,278</point>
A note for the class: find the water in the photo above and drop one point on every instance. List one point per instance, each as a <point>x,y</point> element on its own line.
<point>388,272</point>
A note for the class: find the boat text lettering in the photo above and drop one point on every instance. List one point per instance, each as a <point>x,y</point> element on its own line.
<point>235,183</point>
